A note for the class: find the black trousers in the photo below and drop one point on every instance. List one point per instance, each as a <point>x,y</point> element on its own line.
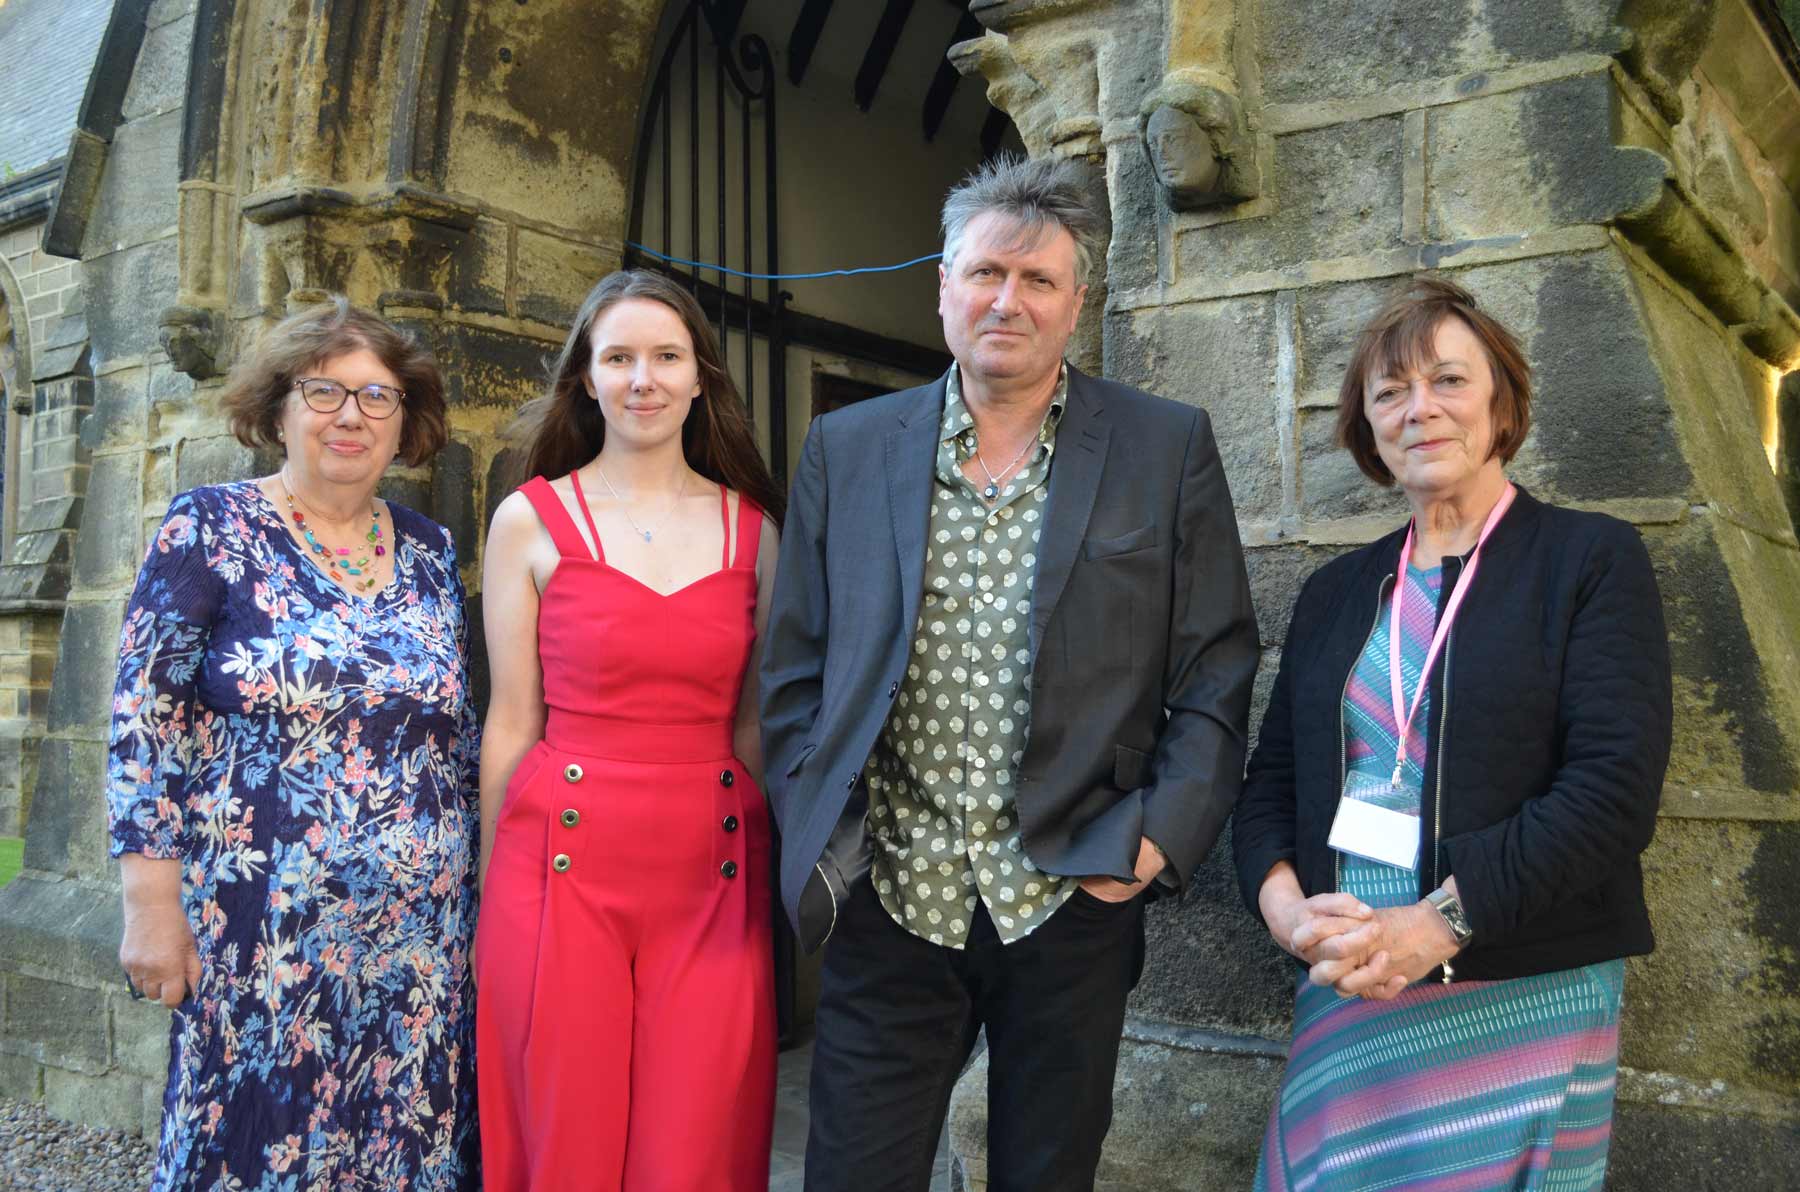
<point>898,1017</point>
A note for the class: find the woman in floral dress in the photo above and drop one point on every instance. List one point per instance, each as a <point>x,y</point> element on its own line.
<point>291,789</point>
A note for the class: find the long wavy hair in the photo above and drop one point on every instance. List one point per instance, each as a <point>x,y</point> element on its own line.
<point>563,429</point>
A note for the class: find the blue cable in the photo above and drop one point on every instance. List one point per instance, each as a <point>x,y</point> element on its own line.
<point>781,276</point>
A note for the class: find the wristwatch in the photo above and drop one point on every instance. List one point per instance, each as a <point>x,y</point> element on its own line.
<point>1450,907</point>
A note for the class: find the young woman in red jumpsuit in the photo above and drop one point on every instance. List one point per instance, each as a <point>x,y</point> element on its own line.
<point>625,1014</point>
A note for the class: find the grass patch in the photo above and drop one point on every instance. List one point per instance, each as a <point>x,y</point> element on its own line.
<point>12,857</point>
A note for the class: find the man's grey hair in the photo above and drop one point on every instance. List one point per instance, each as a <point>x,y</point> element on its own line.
<point>1034,193</point>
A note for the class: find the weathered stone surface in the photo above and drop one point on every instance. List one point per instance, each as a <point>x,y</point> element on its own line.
<point>411,491</point>
<point>478,269</point>
<point>109,548</point>
<point>67,835</point>
<point>1727,729</point>
<point>505,473</point>
<point>530,114</point>
<point>1726,940</point>
<point>140,1036</point>
<point>1602,426</point>
<point>21,1077</point>
<point>1553,146</point>
<point>86,665</point>
<point>1787,460</point>
<point>114,1101</point>
<point>554,275</point>
<point>55,1024</point>
<point>49,925</point>
<point>486,367</point>
<point>1340,196</point>
<point>1131,260</point>
<point>1276,573</point>
<point>1209,962</point>
<point>137,199</point>
<point>163,11</point>
<point>1331,485</point>
<point>1183,1121</point>
<point>453,497</point>
<point>1711,399</point>
<point>120,410</point>
<point>123,290</point>
<point>1328,320</point>
<point>1219,356</point>
<point>1655,1149</point>
<point>213,460</point>
<point>1372,45</point>
<point>159,82</point>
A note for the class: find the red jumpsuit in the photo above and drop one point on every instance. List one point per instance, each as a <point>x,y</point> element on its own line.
<point>625,1010</point>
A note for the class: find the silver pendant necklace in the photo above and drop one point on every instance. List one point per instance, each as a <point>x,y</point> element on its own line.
<point>992,491</point>
<point>642,531</point>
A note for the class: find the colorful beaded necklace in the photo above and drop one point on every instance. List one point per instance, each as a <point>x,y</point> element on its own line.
<point>334,560</point>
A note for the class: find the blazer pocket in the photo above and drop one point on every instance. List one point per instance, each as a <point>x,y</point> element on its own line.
<point>1119,544</point>
<point>806,751</point>
<point>1131,768</point>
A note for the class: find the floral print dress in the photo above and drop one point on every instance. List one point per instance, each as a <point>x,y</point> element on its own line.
<point>310,757</point>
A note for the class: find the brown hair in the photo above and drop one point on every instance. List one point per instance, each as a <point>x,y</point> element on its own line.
<point>1403,336</point>
<point>262,381</point>
<point>563,429</point>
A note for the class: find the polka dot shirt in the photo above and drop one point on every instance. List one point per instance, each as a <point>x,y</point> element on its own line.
<point>941,777</point>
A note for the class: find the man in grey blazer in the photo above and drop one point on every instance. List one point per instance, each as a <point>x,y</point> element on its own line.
<point>1004,684</point>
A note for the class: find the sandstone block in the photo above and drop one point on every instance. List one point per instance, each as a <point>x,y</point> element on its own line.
<point>114,1101</point>
<point>58,1025</point>
<point>1338,193</point>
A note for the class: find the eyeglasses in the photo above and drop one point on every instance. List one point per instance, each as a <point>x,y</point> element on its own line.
<point>328,397</point>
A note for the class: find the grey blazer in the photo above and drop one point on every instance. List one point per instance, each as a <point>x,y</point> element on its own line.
<point>1142,635</point>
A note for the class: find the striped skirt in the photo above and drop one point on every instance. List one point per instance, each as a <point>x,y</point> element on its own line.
<point>1450,1088</point>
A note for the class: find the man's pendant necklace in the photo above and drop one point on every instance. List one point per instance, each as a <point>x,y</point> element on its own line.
<point>992,491</point>
<point>643,532</point>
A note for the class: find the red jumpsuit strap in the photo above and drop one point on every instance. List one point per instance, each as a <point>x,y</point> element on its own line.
<point>555,516</point>
<point>749,531</point>
<point>581,500</point>
<point>725,524</point>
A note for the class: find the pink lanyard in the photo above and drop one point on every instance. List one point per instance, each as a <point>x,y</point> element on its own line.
<point>1443,627</point>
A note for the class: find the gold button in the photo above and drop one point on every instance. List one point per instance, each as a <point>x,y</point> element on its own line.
<point>561,862</point>
<point>572,772</point>
<point>571,817</point>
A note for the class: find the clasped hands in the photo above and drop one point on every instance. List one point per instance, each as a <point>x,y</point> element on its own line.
<point>1350,946</point>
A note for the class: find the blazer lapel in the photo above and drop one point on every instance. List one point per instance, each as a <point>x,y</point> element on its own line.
<point>911,459</point>
<point>1080,458</point>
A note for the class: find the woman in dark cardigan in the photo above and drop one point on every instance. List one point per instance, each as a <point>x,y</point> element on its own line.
<point>1461,892</point>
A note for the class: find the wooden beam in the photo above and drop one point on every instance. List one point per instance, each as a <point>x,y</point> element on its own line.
<point>881,51</point>
<point>805,37</point>
<point>943,83</point>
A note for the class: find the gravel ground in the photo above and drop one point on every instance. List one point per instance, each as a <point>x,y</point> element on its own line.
<point>40,1154</point>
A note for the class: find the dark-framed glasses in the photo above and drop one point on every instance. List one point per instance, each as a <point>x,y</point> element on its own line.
<point>328,397</point>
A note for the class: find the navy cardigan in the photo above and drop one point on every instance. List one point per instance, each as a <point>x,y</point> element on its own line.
<point>1548,736</point>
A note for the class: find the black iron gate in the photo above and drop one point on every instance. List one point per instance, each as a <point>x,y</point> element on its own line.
<point>715,201</point>
<point>704,194</point>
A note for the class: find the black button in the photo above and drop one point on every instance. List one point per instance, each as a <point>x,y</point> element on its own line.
<point>729,869</point>
<point>727,778</point>
<point>731,823</point>
<point>893,690</point>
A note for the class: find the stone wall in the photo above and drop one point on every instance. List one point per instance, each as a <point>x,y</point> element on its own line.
<point>42,459</point>
<point>1620,190</point>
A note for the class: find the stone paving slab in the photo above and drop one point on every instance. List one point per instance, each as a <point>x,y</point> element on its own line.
<point>787,1162</point>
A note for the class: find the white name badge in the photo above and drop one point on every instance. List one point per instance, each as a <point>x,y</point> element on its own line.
<point>1371,831</point>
